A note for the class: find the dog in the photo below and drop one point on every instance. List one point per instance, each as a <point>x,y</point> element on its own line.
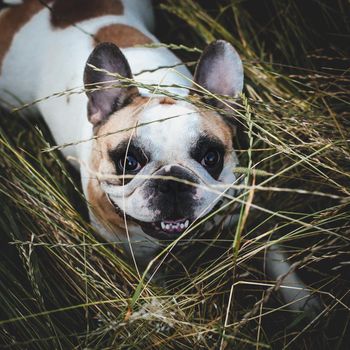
<point>148,158</point>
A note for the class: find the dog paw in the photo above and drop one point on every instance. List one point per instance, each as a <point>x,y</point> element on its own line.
<point>295,293</point>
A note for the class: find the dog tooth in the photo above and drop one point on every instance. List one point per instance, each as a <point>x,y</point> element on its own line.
<point>187,223</point>
<point>182,226</point>
<point>162,225</point>
<point>167,226</point>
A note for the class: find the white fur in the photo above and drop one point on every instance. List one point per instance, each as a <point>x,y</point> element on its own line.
<point>141,244</point>
<point>294,291</point>
<point>43,61</point>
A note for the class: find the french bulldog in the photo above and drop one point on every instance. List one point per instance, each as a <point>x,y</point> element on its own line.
<point>149,158</point>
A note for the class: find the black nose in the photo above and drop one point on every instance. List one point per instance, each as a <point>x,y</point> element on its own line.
<point>179,180</point>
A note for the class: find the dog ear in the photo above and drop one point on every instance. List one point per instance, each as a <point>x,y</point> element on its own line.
<point>104,98</point>
<point>220,69</point>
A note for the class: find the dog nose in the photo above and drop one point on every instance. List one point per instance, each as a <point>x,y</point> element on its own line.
<point>176,186</point>
<point>180,180</point>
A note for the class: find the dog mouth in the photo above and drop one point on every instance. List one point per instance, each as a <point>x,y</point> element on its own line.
<point>165,228</point>
<point>170,228</point>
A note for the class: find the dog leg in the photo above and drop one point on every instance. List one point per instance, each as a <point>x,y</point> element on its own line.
<point>295,293</point>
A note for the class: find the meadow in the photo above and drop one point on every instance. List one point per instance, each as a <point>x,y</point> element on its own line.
<point>62,287</point>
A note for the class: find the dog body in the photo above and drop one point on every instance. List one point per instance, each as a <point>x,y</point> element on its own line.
<point>44,52</point>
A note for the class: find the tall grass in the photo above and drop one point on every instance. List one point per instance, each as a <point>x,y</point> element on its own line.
<point>61,287</point>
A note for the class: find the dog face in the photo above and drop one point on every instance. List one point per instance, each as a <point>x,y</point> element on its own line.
<point>156,158</point>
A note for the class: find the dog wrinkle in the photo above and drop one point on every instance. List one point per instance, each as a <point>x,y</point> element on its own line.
<point>122,35</point>
<point>65,13</point>
<point>12,20</point>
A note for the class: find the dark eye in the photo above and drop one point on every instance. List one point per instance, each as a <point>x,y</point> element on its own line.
<point>211,159</point>
<point>209,152</point>
<point>129,164</point>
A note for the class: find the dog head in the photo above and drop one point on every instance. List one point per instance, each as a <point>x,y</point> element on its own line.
<point>157,158</point>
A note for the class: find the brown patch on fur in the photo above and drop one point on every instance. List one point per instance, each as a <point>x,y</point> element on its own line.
<point>214,125</point>
<point>12,19</point>
<point>167,101</point>
<point>102,208</point>
<point>68,12</point>
<point>122,35</point>
<point>126,118</point>
<point>123,119</point>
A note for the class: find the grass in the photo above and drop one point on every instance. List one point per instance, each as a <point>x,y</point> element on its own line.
<point>61,287</point>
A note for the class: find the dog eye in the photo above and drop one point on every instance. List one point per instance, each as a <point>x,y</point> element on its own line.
<point>211,159</point>
<point>213,162</point>
<point>209,152</point>
<point>129,164</point>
